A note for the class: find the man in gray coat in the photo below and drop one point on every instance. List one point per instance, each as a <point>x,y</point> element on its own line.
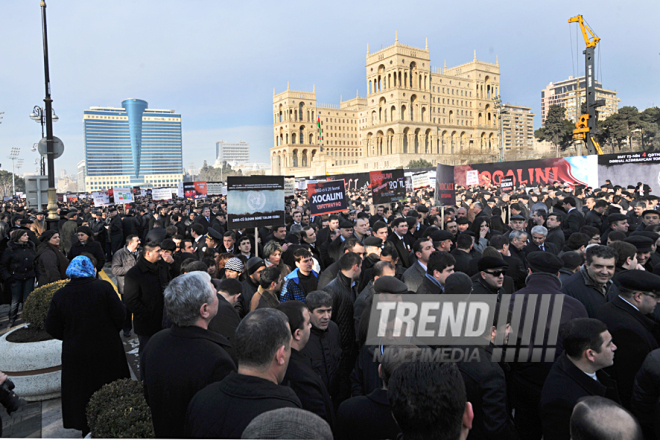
<point>122,261</point>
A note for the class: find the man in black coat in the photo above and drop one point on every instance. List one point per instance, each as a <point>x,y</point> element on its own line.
<point>115,231</point>
<point>528,375</point>
<point>486,390</point>
<point>592,285</point>
<point>227,319</point>
<point>490,278</point>
<point>208,221</point>
<point>130,224</point>
<point>574,218</point>
<point>461,253</point>
<point>370,416</point>
<point>300,375</point>
<point>343,292</point>
<point>224,409</point>
<point>634,332</point>
<point>180,361</point>
<point>539,243</point>
<point>555,233</point>
<point>577,373</point>
<point>144,285</point>
<point>330,272</point>
<point>324,345</point>
<point>401,240</point>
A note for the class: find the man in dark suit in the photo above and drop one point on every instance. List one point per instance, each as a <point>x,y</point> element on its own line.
<point>415,274</point>
<point>539,244</point>
<point>577,373</point>
<point>627,318</point>
<point>206,220</point>
<point>182,360</point>
<point>574,219</point>
<point>401,241</point>
<point>197,232</point>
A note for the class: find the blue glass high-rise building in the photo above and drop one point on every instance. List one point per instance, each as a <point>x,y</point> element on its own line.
<point>132,146</point>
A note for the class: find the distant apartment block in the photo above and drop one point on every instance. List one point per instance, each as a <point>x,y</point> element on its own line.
<point>228,152</point>
<point>570,94</point>
<point>518,128</point>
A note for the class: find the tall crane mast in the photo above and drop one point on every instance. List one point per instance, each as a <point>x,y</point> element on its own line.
<point>586,124</point>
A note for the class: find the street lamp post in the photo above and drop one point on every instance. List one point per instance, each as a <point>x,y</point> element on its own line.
<point>15,151</point>
<point>38,116</point>
<point>48,110</point>
<point>497,102</point>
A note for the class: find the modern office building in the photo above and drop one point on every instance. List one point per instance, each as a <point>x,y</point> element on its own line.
<point>132,146</point>
<point>567,93</point>
<point>518,130</point>
<point>412,111</point>
<point>81,176</point>
<point>226,152</point>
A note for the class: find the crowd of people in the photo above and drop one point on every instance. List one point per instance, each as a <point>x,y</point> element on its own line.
<point>262,333</point>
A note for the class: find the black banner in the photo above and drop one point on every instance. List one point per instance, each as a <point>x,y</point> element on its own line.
<point>388,186</point>
<point>445,192</point>
<point>630,169</point>
<point>327,197</point>
<point>255,201</point>
<point>506,184</point>
<point>189,191</point>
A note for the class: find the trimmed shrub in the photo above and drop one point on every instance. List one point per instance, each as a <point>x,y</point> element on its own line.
<point>37,304</point>
<point>119,410</point>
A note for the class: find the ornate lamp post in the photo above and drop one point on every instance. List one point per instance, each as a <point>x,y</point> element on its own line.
<point>37,116</point>
<point>48,115</point>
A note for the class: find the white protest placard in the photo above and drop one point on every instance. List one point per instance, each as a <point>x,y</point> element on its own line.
<point>123,195</point>
<point>161,194</point>
<point>289,187</point>
<point>420,180</point>
<point>214,188</point>
<point>179,192</point>
<point>472,178</point>
<point>101,198</point>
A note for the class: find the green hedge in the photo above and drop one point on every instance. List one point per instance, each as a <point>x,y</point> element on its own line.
<point>119,410</point>
<point>37,304</point>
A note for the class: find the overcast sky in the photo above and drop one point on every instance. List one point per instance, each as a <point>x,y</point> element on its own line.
<point>217,62</point>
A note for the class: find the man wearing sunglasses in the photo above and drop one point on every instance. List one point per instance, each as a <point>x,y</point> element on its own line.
<point>490,277</point>
<point>627,317</point>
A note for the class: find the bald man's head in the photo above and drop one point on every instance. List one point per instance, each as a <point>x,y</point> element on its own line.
<point>598,418</point>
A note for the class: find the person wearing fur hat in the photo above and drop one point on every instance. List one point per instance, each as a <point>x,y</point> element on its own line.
<point>87,244</point>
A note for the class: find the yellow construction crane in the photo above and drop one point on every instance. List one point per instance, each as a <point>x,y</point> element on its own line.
<point>585,126</point>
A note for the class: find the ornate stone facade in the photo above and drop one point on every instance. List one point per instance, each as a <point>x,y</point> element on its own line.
<point>412,111</point>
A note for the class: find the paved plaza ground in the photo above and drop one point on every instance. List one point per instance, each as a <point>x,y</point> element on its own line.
<point>44,419</point>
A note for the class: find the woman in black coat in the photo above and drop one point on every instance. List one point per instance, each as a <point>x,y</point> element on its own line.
<point>87,244</point>
<point>87,315</point>
<point>50,263</point>
<point>17,269</point>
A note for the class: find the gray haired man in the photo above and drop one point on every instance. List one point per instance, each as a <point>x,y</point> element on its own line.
<point>538,243</point>
<point>179,361</point>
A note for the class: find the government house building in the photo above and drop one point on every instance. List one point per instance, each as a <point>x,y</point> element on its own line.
<point>412,111</point>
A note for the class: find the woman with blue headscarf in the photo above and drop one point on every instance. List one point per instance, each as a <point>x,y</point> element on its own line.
<point>87,315</point>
